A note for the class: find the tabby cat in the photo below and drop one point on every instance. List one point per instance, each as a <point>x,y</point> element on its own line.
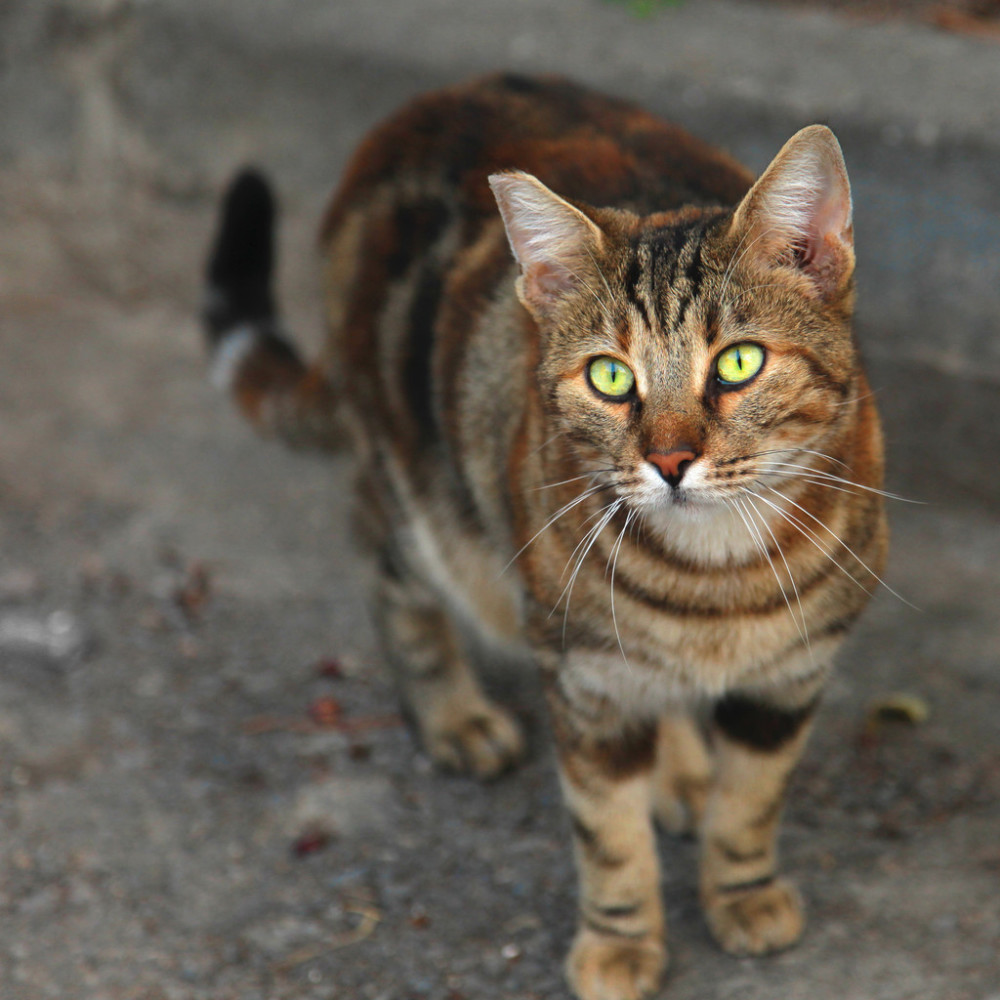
<point>643,443</point>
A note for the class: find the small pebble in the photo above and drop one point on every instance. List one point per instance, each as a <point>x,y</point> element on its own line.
<point>310,842</point>
<point>325,711</point>
<point>330,668</point>
<point>57,636</point>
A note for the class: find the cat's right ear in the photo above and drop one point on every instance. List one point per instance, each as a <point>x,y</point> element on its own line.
<point>798,214</point>
<point>555,243</point>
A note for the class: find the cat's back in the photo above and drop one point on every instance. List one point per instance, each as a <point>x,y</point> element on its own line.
<point>588,146</point>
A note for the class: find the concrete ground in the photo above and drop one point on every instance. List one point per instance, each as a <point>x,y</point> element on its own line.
<point>205,788</point>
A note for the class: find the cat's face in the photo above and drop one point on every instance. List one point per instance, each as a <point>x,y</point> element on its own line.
<point>696,355</point>
<point>694,389</point>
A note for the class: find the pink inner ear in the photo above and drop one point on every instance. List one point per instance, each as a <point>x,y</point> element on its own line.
<point>831,215</point>
<point>548,281</point>
<point>819,240</point>
<point>826,261</point>
<point>800,211</point>
<point>551,239</point>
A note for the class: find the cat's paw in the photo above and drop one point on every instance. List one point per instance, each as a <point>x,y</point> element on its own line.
<point>757,921</point>
<point>483,743</point>
<point>601,967</point>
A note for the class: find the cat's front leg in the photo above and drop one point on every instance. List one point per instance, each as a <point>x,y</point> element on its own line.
<point>460,727</point>
<point>758,739</point>
<point>683,774</point>
<point>606,765</point>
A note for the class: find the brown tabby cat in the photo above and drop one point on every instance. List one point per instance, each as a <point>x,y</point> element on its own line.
<point>646,446</point>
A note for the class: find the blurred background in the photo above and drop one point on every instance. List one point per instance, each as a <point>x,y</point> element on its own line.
<point>205,788</point>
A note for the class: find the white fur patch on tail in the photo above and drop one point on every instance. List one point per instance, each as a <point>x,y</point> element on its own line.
<point>230,353</point>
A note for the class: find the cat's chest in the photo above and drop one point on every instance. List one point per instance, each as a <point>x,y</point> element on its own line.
<point>653,624</point>
<point>702,648</point>
<point>657,659</point>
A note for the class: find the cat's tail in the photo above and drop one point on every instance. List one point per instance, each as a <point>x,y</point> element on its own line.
<point>251,357</point>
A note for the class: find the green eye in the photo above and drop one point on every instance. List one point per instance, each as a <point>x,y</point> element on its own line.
<point>739,363</point>
<point>610,377</point>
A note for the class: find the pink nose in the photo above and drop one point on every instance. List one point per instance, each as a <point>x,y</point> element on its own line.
<point>673,464</point>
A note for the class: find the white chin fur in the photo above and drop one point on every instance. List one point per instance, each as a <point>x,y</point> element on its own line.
<point>700,527</point>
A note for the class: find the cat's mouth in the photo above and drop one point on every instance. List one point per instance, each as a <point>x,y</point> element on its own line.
<point>695,502</point>
<point>695,498</point>
<point>681,497</point>
<point>687,491</point>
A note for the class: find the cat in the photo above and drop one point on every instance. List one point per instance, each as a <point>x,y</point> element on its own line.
<point>604,396</point>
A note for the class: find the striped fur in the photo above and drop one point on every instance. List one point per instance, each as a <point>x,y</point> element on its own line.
<point>500,489</point>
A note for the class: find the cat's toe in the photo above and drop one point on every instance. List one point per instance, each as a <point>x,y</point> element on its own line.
<point>601,967</point>
<point>483,744</point>
<point>757,921</point>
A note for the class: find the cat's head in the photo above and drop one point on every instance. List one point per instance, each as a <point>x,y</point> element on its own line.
<point>695,352</point>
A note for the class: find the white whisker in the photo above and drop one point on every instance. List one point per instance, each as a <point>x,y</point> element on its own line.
<point>579,545</point>
<point>587,287</point>
<point>734,261</point>
<point>563,482</point>
<point>857,399</point>
<point>815,539</point>
<point>545,444</point>
<point>805,471</point>
<point>792,451</point>
<point>808,534</point>
<point>565,509</point>
<point>591,537</point>
<point>614,563</point>
<point>600,274</point>
<point>803,629</point>
<point>755,288</point>
<point>799,477</point>
<point>858,558</point>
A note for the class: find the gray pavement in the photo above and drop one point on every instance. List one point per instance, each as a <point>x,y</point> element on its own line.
<point>158,762</point>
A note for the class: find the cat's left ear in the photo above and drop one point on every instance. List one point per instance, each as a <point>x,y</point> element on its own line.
<point>554,242</point>
<point>798,214</point>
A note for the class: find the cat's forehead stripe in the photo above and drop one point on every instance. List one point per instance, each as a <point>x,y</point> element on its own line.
<point>711,322</point>
<point>673,259</point>
<point>633,277</point>
<point>664,250</point>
